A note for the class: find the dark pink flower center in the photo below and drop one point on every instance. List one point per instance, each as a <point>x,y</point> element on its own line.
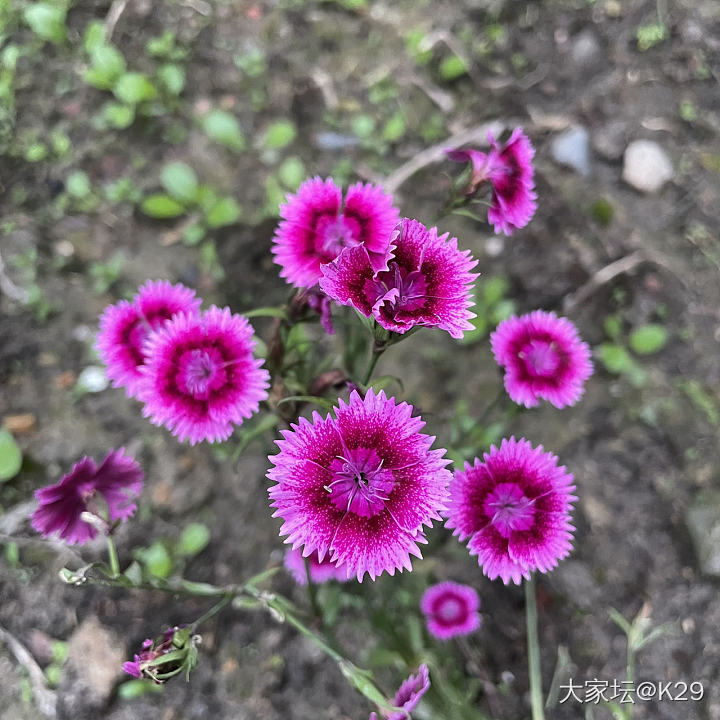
<point>509,509</point>
<point>542,358</point>
<point>449,610</point>
<point>334,234</point>
<point>201,371</point>
<point>402,290</point>
<point>360,484</point>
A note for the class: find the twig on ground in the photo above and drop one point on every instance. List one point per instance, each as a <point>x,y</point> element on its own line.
<point>625,264</point>
<point>45,698</point>
<point>114,13</point>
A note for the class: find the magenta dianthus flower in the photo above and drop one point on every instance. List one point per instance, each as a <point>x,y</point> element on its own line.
<point>408,695</point>
<point>317,226</point>
<point>450,609</point>
<point>200,376</point>
<point>164,657</point>
<point>359,487</point>
<point>124,327</point>
<point>510,171</point>
<point>320,571</point>
<point>544,358</point>
<point>426,282</point>
<point>117,481</point>
<point>515,509</point>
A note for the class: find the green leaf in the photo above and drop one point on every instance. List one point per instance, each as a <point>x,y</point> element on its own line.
<point>615,358</point>
<point>194,539</point>
<point>292,173</point>
<point>620,621</point>
<point>363,126</point>
<point>133,88</point>
<point>278,312</point>
<point>107,64</point>
<point>180,181</point>
<point>118,115</point>
<point>648,339</point>
<point>10,456</point>
<point>47,21</point>
<point>94,35</point>
<point>279,134</point>
<point>224,128</point>
<point>78,184</point>
<point>395,127</point>
<point>156,559</point>
<point>321,402</point>
<point>137,688</point>
<point>162,207</point>
<point>452,67</point>
<point>172,78</point>
<point>193,234</point>
<point>225,212</point>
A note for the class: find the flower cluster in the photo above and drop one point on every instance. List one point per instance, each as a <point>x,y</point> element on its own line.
<point>106,492</point>
<point>359,487</point>
<point>195,371</point>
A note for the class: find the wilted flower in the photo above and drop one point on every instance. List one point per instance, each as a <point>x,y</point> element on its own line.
<point>200,376</point>
<point>510,171</point>
<point>544,358</point>
<point>317,226</point>
<point>426,282</point>
<point>164,657</point>
<point>124,327</point>
<point>359,487</point>
<point>515,509</point>
<point>116,482</point>
<point>320,571</point>
<point>408,696</point>
<point>450,609</point>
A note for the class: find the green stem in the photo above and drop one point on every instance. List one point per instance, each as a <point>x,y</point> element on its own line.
<point>375,352</point>
<point>113,557</point>
<point>536,694</point>
<point>214,610</point>
<point>312,593</point>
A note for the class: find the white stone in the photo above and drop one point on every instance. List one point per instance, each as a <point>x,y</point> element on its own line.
<point>646,166</point>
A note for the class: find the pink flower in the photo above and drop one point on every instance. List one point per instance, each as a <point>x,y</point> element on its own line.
<point>510,171</point>
<point>317,226</point>
<point>450,609</point>
<point>124,327</point>
<point>515,509</point>
<point>425,284</point>
<point>118,481</point>
<point>166,656</point>
<point>359,487</point>
<point>544,358</point>
<point>200,376</point>
<point>408,695</point>
<point>320,571</point>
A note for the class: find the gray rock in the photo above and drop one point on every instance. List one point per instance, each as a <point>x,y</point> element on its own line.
<point>646,166</point>
<point>608,141</point>
<point>572,148</point>
<point>95,657</point>
<point>703,522</point>
<point>586,49</point>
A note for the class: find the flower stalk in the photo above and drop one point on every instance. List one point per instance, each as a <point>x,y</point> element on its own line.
<point>536,694</point>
